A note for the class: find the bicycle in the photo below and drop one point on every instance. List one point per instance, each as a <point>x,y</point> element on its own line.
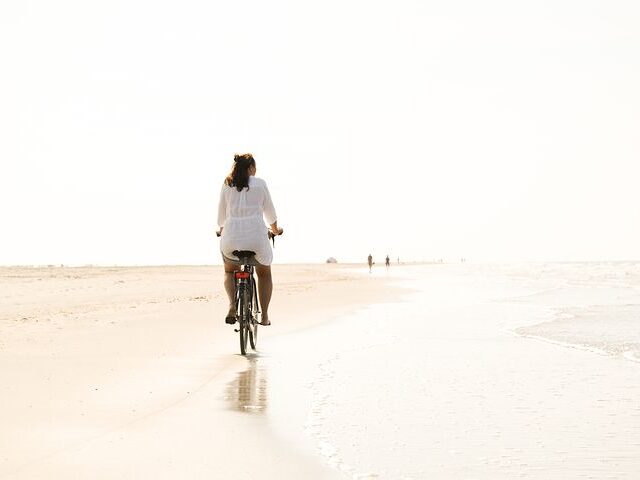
<point>247,303</point>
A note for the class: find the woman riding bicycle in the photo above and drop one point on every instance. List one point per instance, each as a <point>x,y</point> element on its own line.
<point>244,201</point>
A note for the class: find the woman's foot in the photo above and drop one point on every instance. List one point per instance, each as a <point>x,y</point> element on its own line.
<point>264,321</point>
<point>231,316</point>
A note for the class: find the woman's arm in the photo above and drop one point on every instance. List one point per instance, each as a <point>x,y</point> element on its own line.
<point>270,212</point>
<point>222,208</point>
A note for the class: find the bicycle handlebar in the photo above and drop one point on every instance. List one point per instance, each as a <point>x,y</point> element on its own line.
<point>272,236</point>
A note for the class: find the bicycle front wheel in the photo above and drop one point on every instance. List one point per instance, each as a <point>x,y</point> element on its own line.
<point>253,333</point>
<point>255,309</point>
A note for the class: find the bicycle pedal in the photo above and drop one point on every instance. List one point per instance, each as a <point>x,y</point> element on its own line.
<point>236,330</point>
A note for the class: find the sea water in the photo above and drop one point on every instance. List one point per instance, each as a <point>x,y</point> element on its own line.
<point>482,372</point>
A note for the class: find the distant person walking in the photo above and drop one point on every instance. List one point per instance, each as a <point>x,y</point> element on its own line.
<point>370,262</point>
<point>387,262</point>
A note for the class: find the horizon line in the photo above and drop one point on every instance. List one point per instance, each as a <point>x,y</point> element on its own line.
<point>410,262</point>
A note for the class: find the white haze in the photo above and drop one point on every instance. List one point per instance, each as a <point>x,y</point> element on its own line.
<point>494,130</point>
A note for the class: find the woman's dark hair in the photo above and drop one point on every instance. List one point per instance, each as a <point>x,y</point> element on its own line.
<point>239,176</point>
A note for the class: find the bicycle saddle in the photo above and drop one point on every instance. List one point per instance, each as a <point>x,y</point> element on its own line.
<point>244,253</point>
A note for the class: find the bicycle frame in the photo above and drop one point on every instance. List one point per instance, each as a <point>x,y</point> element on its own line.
<point>244,279</point>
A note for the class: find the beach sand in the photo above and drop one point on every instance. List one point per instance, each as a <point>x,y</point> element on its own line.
<point>431,371</point>
<point>124,372</point>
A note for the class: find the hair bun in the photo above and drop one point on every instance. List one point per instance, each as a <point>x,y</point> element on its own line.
<point>245,157</point>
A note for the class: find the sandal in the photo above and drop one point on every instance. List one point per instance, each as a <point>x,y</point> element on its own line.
<point>230,319</point>
<point>265,323</point>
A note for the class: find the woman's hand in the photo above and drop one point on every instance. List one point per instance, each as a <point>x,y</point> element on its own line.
<point>275,230</point>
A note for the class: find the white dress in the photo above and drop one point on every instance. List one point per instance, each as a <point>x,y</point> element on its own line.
<point>241,214</point>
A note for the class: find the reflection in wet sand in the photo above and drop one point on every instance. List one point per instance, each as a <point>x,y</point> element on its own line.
<point>248,392</point>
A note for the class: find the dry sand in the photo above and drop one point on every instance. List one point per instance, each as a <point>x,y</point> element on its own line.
<point>124,372</point>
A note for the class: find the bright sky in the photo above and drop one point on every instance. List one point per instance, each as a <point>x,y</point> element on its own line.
<point>494,130</point>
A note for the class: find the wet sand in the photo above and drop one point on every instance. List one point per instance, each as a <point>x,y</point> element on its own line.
<point>447,384</point>
<point>125,372</point>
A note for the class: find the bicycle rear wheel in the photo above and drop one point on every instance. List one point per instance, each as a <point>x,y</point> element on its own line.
<point>244,317</point>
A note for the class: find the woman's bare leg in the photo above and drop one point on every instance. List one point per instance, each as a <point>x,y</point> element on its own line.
<point>230,286</point>
<point>265,288</point>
